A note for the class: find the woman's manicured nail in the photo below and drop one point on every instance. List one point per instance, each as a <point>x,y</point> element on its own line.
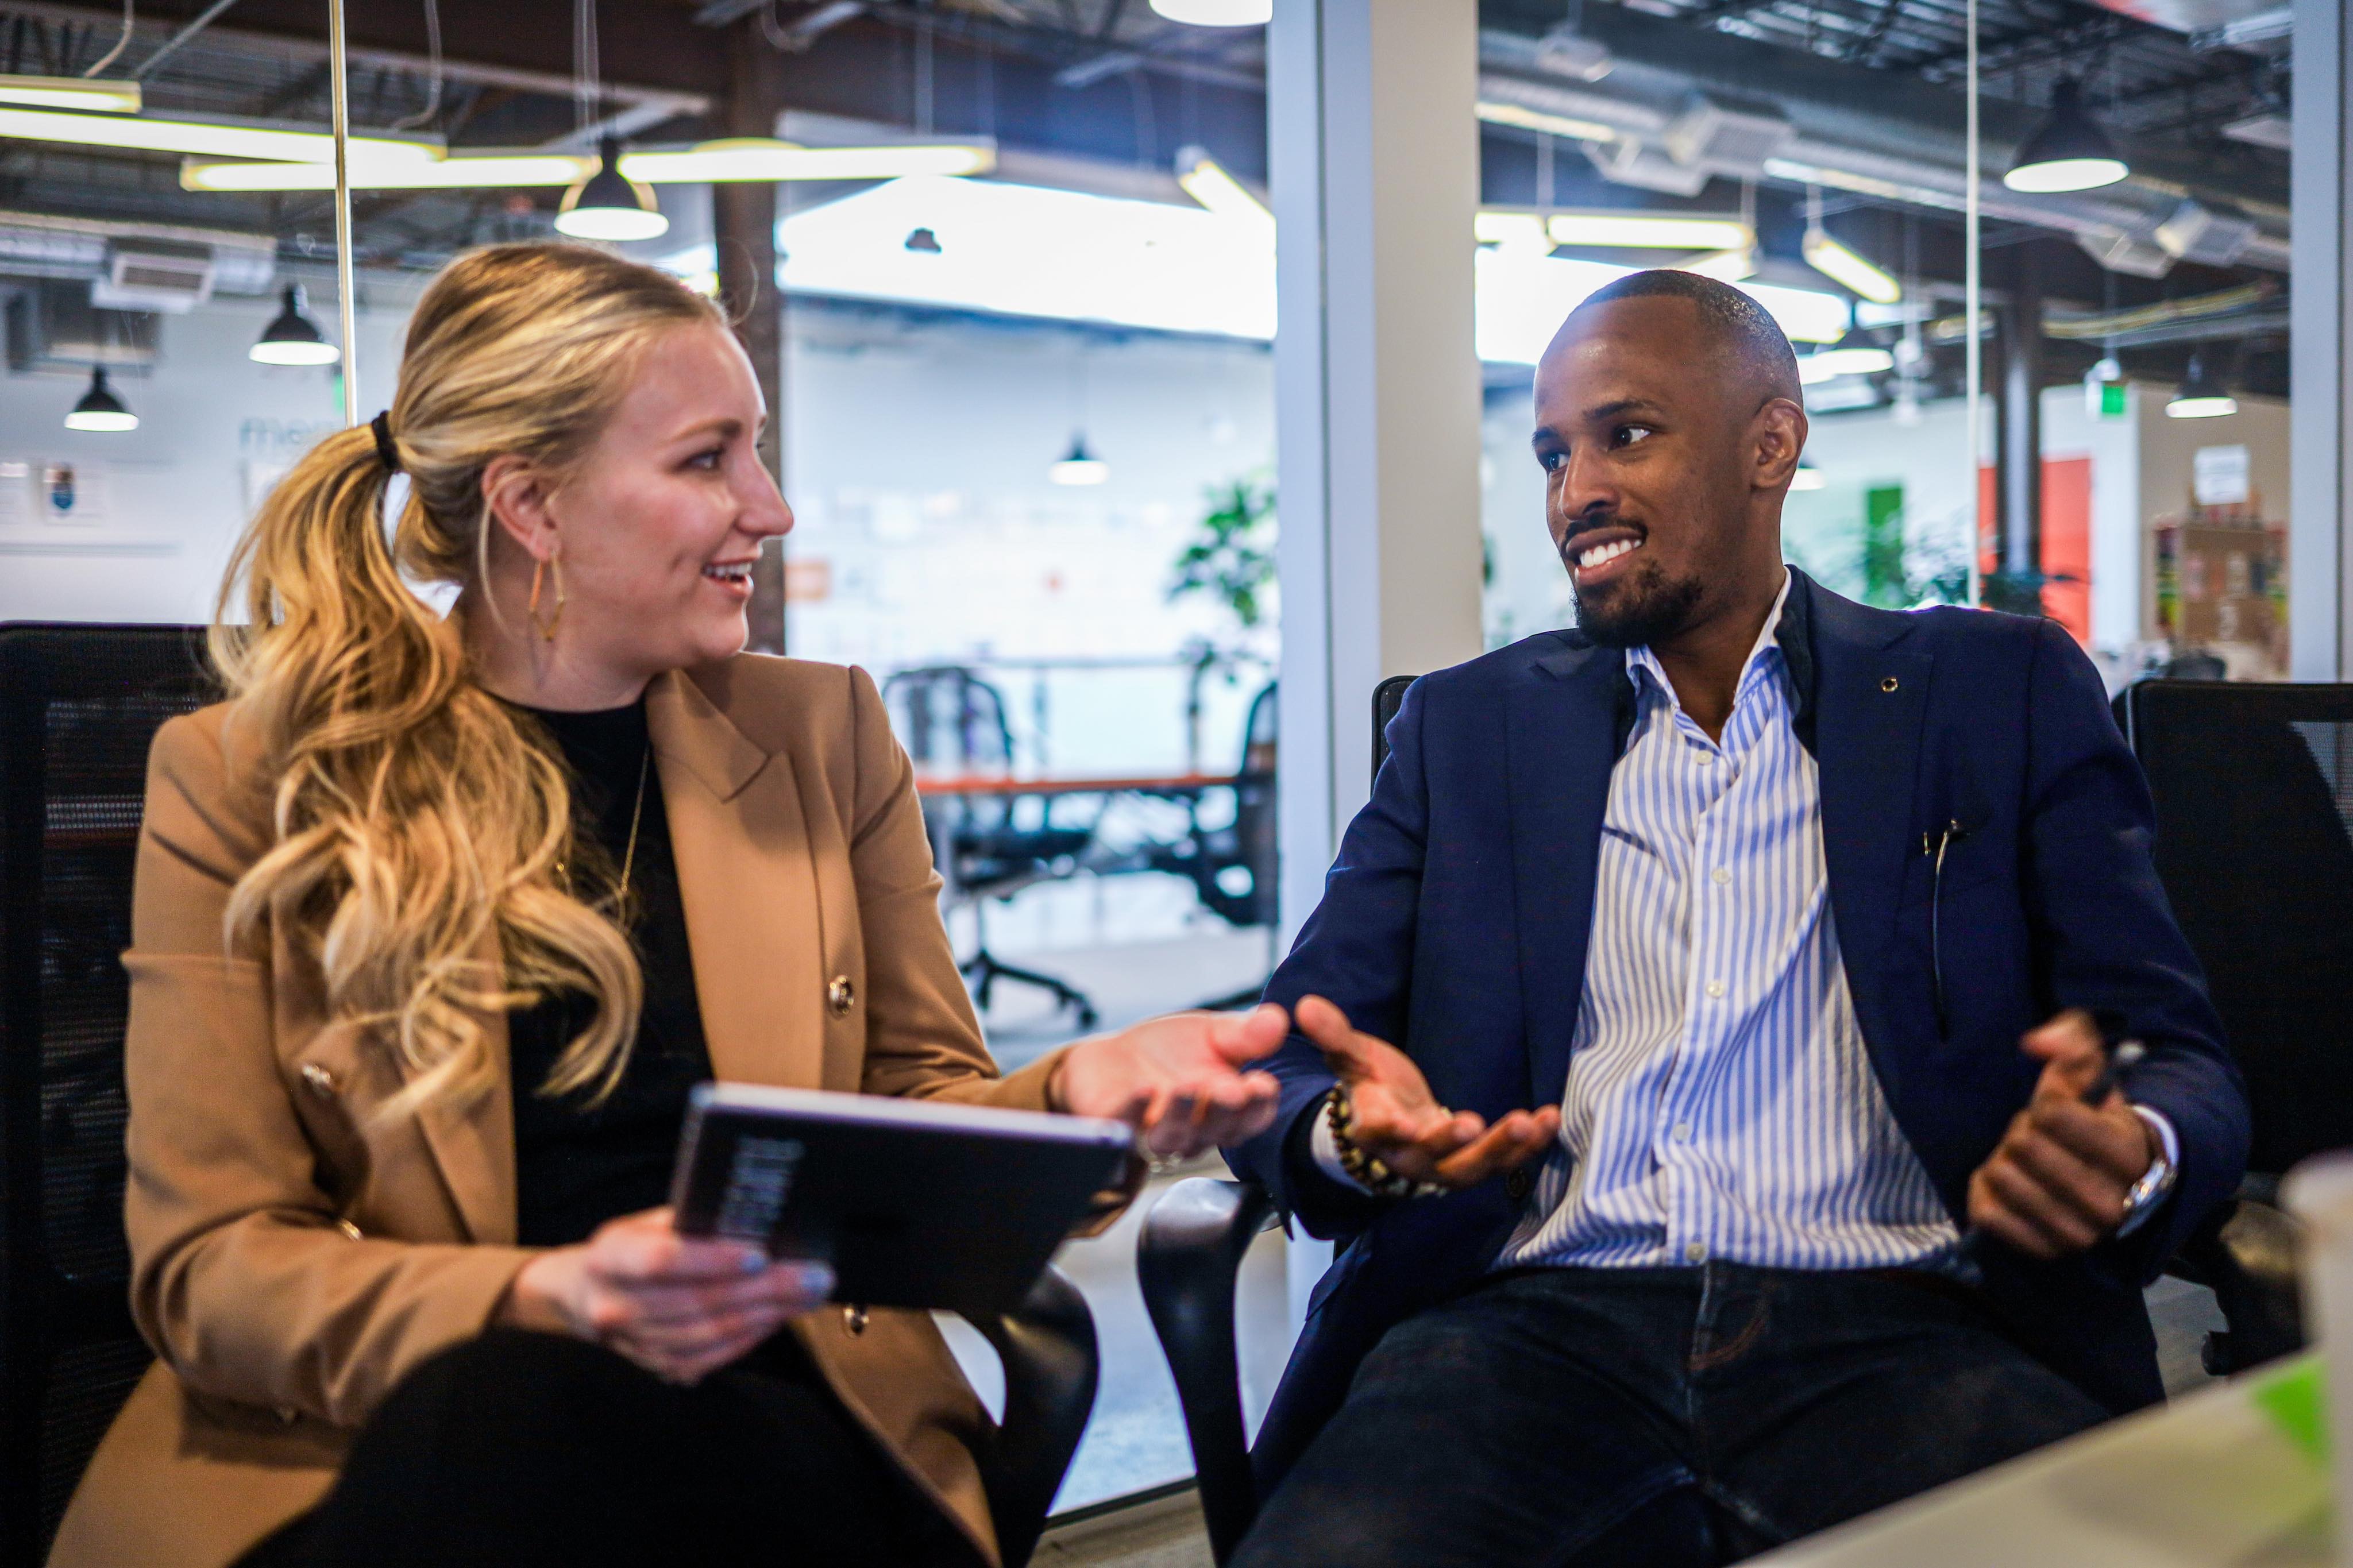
<point>817,1279</point>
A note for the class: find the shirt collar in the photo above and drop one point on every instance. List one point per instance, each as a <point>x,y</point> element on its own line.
<point>1642,661</point>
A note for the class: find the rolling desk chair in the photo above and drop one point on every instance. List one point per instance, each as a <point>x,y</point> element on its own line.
<point>948,718</point>
<point>79,708</point>
<point>2213,753</point>
<point>1233,867</point>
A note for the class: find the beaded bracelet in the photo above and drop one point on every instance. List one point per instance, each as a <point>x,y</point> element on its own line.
<point>1368,1171</point>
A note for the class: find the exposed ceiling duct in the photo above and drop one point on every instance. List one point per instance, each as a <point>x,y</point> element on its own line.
<point>1850,128</point>
<point>159,258</point>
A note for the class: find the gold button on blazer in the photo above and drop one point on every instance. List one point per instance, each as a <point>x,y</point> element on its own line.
<point>292,1256</point>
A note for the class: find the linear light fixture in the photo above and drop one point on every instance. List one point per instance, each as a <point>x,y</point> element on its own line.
<point>457,173</point>
<point>1525,118</point>
<point>735,159</point>
<point>1854,354</point>
<point>1649,231</point>
<point>1725,266</point>
<point>1205,180</point>
<point>205,139</point>
<point>1835,261</point>
<point>101,97</point>
<point>1513,232</point>
<point>756,158</point>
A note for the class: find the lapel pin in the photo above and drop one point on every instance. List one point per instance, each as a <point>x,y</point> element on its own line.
<point>1888,684</point>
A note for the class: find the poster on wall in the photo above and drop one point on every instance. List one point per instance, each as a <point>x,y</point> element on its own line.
<point>73,492</point>
<point>15,492</point>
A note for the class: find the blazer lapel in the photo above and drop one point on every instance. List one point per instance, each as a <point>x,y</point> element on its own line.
<point>1560,743</point>
<point>747,878</point>
<point>473,1143</point>
<point>1871,706</point>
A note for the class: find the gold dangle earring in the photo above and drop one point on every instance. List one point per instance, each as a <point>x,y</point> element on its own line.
<point>538,573</point>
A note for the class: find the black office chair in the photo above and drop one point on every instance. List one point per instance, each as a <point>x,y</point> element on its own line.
<point>947,717</point>
<point>2253,787</point>
<point>1232,868</point>
<point>2202,745</point>
<point>79,708</point>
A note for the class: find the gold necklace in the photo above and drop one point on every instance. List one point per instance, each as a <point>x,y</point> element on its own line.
<point>637,815</point>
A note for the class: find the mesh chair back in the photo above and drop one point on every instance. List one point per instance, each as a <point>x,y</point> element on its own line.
<point>2253,785</point>
<point>952,721</point>
<point>79,706</point>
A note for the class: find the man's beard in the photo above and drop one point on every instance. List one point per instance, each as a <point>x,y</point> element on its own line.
<point>1639,609</point>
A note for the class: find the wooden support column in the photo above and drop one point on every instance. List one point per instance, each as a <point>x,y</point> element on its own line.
<point>744,230</point>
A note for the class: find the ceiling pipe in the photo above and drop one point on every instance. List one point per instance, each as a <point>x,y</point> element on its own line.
<point>1876,133</point>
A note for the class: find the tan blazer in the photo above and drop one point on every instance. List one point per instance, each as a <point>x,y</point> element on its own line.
<point>292,1258</point>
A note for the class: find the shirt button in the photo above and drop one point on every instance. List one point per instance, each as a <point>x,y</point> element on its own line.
<point>841,995</point>
<point>1706,758</point>
<point>1721,875</point>
<point>1715,988</point>
<point>1683,1131</point>
<point>1695,1252</point>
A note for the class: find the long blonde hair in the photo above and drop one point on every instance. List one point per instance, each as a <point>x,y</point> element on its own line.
<point>416,820</point>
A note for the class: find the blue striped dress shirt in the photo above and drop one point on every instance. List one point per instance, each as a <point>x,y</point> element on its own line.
<point>1720,1101</point>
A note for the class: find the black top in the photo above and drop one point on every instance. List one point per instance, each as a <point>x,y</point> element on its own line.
<point>578,1165</point>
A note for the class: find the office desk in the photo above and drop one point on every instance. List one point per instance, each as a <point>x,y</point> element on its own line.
<point>2227,1477</point>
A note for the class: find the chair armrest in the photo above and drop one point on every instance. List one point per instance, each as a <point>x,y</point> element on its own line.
<point>1048,1348</point>
<point>1187,1258</point>
<point>2248,1253</point>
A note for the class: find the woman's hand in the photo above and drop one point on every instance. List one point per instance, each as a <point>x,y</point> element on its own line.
<point>1395,1119</point>
<point>1178,1080</point>
<point>680,1307</point>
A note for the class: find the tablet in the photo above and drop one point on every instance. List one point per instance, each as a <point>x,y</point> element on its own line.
<point>916,1203</point>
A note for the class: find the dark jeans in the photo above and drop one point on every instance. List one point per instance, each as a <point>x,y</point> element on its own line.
<point>1659,1416</point>
<point>527,1449</point>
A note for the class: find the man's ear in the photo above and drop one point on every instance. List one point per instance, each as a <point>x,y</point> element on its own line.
<point>516,495</point>
<point>1780,433</point>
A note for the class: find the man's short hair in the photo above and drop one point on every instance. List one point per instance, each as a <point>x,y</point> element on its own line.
<point>1746,331</point>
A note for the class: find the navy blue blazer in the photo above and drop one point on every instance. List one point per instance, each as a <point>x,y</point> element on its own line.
<point>1454,923</point>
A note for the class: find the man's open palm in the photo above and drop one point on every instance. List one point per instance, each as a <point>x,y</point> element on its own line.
<point>1395,1119</point>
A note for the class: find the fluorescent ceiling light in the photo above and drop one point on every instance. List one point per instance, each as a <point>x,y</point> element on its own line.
<point>1649,231</point>
<point>1020,250</point>
<point>759,158</point>
<point>1206,181</point>
<point>1217,13</point>
<point>1527,119</point>
<point>1833,260</point>
<point>1513,233</point>
<point>753,159</point>
<point>463,172</point>
<point>1813,369</point>
<point>102,97</point>
<point>1723,266</point>
<point>204,139</point>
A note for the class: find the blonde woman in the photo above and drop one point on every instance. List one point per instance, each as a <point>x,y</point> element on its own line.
<point>436,921</point>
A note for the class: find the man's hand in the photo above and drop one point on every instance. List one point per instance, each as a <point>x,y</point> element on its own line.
<point>1394,1118</point>
<point>2058,1181</point>
<point>680,1307</point>
<point>1181,1081</point>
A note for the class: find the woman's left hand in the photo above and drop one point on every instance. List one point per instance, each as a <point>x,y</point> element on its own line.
<point>1179,1080</point>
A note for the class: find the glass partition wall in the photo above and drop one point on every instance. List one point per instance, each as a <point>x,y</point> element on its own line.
<point>1009,280</point>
